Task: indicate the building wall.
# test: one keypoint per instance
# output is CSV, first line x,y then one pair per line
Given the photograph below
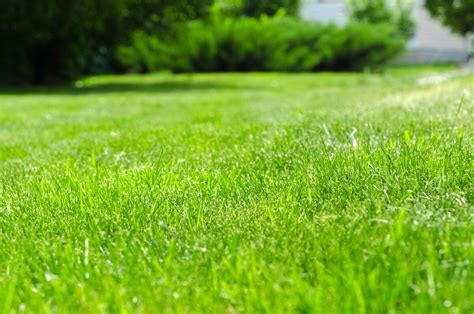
x,y
327,11
431,34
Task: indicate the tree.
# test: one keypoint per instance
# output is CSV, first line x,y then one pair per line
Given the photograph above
x,y
51,40
457,14
256,8
269,7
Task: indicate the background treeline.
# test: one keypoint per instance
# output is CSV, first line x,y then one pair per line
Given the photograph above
x,y
48,40
55,40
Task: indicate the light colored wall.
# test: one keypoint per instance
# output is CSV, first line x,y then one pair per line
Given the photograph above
x,y
328,11
431,34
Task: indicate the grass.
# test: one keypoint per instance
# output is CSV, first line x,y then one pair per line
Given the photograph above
x,y
270,193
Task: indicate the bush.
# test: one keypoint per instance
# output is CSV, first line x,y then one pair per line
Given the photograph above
x,y
397,13
277,44
49,40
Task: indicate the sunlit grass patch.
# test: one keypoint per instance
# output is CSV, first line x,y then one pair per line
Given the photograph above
x,y
238,193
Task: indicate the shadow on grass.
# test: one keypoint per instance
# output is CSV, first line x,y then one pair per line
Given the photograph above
x,y
120,87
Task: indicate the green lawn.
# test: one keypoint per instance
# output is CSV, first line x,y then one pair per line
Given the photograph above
x,y
273,193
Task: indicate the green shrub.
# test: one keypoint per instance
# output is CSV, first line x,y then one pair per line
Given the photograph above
x,y
360,46
395,12
269,44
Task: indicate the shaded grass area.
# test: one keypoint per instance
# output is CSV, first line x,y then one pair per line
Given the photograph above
x,y
238,193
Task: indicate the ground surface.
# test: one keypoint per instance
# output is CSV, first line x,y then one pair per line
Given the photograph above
x,y
239,193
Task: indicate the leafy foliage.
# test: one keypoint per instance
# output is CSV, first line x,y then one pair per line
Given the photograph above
x,y
398,13
252,8
46,40
278,44
269,7
457,14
